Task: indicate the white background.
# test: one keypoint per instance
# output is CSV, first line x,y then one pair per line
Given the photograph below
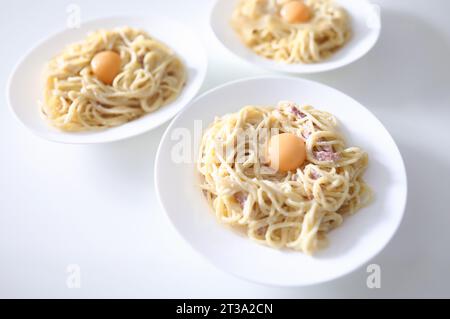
x,y
95,206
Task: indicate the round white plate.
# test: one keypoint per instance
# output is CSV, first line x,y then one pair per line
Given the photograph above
x,y
354,243
366,26
26,83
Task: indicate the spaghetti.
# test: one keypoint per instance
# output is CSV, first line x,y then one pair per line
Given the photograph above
x,y
295,209
262,28
150,76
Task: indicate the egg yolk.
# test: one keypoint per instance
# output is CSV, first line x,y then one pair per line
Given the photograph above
x,y
106,65
295,12
286,152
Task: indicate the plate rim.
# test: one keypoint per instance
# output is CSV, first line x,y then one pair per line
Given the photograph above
x,y
158,161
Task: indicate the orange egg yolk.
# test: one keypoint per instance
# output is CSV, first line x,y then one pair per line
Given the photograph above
x,y
295,12
286,152
106,65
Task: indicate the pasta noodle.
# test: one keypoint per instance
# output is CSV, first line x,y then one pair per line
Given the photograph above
x,y
150,76
282,210
260,26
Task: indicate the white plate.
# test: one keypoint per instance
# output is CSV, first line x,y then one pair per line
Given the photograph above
x,y
366,26
26,83
359,238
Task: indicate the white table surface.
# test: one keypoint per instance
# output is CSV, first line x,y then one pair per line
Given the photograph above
x,y
95,206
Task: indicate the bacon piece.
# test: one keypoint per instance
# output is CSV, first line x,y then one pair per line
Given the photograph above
x,y
140,59
315,175
267,170
241,198
262,230
327,156
306,133
297,112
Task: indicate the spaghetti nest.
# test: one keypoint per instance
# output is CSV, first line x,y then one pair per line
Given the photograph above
x,y
261,27
150,76
294,209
